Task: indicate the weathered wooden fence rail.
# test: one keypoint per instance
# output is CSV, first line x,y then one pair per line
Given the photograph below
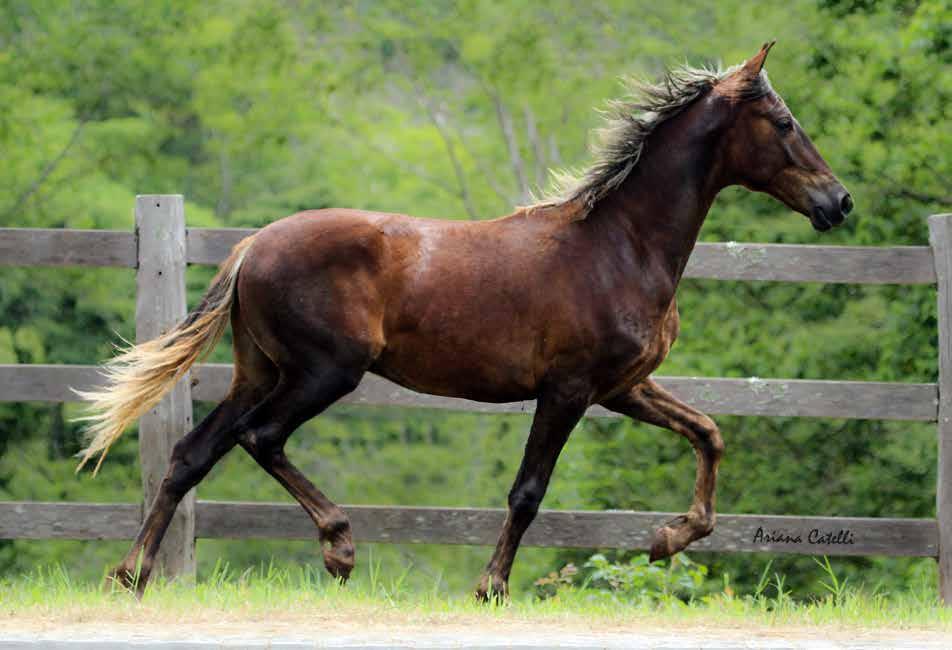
x,y
161,247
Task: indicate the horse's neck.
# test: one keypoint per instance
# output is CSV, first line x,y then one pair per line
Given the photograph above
x,y
660,208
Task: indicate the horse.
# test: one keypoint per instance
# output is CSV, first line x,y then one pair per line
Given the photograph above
x,y
569,302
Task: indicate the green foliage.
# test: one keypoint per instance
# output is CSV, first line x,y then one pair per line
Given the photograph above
x,y
457,110
639,579
636,581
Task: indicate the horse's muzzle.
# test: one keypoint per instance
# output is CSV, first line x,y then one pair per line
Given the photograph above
x,y
832,211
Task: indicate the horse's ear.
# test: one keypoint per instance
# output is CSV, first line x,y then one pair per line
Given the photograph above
x,y
754,64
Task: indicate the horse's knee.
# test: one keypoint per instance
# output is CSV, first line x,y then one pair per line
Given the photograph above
x,y
264,441
524,500
709,435
265,433
262,446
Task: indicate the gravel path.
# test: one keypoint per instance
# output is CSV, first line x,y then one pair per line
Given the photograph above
x,y
94,637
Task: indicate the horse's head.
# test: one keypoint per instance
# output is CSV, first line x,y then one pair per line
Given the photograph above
x,y
767,151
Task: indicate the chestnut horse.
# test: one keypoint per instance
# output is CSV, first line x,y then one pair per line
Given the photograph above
x,y
570,302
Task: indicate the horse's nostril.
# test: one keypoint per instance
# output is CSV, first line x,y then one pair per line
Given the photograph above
x,y
846,204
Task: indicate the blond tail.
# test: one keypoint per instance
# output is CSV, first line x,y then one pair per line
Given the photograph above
x,y
138,377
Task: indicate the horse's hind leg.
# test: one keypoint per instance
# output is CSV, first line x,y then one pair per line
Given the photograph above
x,y
650,403
192,458
196,453
299,396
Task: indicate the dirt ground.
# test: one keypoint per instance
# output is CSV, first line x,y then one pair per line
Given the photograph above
x,y
439,632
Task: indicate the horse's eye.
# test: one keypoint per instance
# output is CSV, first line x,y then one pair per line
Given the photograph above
x,y
784,125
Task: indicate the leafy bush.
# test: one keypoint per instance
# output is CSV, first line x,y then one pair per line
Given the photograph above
x,y
637,579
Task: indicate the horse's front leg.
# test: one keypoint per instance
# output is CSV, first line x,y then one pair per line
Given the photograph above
x,y
650,403
557,413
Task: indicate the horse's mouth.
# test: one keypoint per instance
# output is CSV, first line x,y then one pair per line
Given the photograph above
x,y
823,220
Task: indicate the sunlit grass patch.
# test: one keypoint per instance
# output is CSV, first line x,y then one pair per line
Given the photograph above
x,y
275,596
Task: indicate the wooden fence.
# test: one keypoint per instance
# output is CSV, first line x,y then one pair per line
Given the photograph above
x,y
161,247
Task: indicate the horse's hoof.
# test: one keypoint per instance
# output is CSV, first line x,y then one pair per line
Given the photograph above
x,y
660,545
123,579
339,562
492,589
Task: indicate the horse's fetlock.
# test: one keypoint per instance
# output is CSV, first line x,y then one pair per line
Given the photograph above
x,y
335,527
702,522
706,527
492,587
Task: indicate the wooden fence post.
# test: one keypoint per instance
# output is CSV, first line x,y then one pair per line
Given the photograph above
x,y
940,236
160,304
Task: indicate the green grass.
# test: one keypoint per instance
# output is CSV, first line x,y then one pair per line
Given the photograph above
x,y
289,596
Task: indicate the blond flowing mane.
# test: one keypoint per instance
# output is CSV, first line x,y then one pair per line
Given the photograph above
x,y
630,120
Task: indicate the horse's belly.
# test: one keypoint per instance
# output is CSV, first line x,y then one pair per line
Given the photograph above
x,y
476,370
